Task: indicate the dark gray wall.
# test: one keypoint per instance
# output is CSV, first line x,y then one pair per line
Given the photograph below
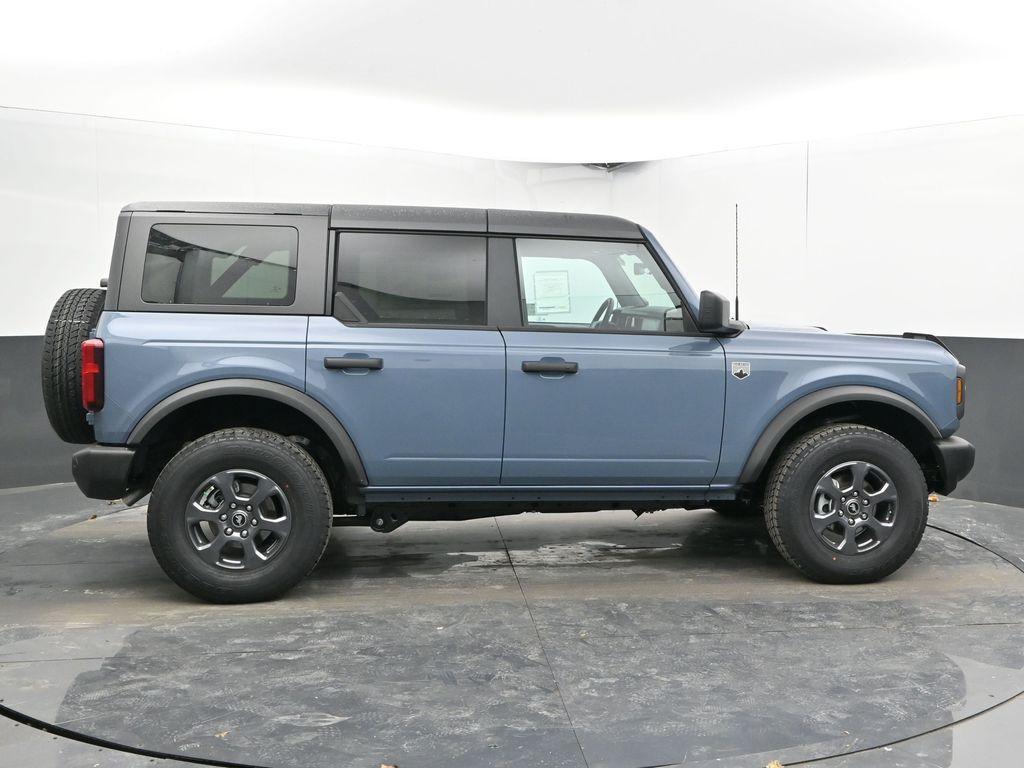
x,y
30,454
994,420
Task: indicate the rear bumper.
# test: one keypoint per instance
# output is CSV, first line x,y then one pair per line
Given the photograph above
x,y
102,471
954,458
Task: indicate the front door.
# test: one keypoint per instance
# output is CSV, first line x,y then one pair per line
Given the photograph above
x,y
597,392
408,364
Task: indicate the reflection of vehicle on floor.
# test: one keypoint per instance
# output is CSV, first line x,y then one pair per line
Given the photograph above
x,y
266,370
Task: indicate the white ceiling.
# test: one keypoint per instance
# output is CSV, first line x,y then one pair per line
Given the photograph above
x,y
540,80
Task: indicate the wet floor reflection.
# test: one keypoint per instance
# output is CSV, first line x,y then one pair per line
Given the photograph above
x,y
514,642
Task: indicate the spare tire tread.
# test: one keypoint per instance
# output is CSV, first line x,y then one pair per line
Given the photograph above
x,y
73,317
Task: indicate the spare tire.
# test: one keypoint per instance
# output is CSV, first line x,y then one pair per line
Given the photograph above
x,y
73,317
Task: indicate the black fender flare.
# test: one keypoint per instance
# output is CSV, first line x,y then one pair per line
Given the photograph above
x,y
808,404
269,390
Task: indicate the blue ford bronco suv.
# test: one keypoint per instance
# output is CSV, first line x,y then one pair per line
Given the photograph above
x,y
268,371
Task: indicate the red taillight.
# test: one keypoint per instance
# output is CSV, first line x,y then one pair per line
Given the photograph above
x,y
92,374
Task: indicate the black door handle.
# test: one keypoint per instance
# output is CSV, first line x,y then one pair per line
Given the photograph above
x,y
549,366
341,363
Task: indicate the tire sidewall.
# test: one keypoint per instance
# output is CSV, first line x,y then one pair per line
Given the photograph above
x,y
795,497
172,494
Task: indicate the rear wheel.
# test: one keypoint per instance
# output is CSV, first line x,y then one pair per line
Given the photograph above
x,y
239,515
846,504
73,317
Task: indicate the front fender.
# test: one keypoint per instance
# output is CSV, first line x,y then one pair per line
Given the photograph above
x,y
808,404
791,373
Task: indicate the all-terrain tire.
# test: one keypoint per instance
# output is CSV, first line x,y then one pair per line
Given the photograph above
x,y
73,317
287,465
790,490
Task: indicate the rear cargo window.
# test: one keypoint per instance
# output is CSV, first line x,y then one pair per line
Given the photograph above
x,y
220,264
412,279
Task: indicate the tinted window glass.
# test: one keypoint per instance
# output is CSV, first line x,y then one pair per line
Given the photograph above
x,y
412,279
593,284
220,264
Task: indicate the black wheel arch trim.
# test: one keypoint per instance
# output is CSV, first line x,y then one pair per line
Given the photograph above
x,y
808,404
281,393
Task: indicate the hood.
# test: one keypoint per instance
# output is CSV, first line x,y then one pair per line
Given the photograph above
x,y
756,325
811,340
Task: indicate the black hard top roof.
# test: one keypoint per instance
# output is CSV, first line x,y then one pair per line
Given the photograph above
x,y
422,218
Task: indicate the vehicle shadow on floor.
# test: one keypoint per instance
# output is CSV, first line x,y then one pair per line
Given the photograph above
x,y
672,541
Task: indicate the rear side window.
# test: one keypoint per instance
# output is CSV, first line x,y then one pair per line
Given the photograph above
x,y
411,279
220,264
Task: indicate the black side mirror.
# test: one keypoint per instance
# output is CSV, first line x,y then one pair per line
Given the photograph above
x,y
713,315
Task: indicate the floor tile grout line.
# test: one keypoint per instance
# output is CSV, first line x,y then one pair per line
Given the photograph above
x,y
540,642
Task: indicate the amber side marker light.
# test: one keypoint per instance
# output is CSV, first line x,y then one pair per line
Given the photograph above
x,y
960,390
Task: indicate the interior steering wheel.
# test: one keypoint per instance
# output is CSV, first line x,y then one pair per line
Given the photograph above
x,y
603,314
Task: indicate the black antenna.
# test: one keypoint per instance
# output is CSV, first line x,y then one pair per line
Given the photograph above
x,y
736,310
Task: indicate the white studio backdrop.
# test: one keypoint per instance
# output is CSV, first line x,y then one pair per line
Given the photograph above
x,y
904,230
530,80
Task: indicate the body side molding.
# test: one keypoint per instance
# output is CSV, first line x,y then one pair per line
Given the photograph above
x,y
290,396
809,403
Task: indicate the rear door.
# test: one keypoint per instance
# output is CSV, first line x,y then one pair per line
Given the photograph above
x,y
409,362
598,393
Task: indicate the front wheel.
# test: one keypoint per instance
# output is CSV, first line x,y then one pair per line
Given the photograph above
x,y
846,504
239,515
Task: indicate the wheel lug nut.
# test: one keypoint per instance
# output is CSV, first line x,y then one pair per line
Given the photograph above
x,y
245,534
864,516
248,508
228,531
233,505
223,516
844,498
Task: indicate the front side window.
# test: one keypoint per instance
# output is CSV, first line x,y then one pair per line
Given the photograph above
x,y
411,279
593,284
220,264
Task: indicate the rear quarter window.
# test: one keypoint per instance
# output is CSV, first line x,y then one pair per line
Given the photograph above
x,y
220,264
